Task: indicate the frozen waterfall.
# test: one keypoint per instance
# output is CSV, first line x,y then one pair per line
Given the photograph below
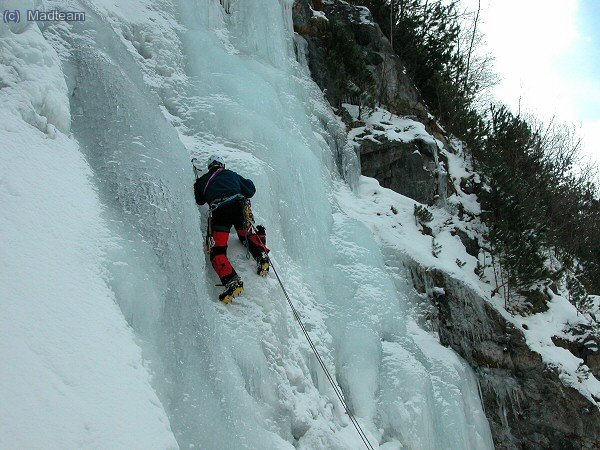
x,y
138,89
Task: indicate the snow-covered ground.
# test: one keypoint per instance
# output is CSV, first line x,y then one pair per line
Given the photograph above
x,y
72,375
111,333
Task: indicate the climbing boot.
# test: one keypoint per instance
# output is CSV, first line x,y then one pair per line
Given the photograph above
x,y
233,288
262,265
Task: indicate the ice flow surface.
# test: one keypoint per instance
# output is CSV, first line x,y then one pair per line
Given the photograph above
x,y
153,83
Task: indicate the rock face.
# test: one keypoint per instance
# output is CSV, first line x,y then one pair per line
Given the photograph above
x,y
399,166
583,342
406,167
525,401
384,64
409,168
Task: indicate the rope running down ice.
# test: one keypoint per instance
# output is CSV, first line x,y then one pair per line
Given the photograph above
x,y
336,389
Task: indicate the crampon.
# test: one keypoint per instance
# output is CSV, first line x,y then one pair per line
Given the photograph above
x,y
233,288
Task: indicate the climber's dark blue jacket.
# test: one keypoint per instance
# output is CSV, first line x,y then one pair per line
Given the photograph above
x,y
226,184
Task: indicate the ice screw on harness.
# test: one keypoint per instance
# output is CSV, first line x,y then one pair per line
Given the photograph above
x,y
194,161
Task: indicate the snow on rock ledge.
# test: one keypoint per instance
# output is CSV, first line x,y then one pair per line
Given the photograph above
x,y
398,152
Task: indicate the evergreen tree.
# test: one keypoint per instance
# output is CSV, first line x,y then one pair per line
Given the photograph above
x,y
512,162
347,66
578,295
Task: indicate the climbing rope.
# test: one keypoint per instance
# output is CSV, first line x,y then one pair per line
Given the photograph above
x,y
336,389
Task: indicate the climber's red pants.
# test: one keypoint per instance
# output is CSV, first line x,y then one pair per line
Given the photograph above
x,y
223,218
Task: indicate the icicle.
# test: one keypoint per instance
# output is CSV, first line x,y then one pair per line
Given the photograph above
x,y
286,6
226,4
301,49
440,176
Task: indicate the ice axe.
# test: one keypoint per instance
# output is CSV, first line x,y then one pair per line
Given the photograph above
x,y
196,170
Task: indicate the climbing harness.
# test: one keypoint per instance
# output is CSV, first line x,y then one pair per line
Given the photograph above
x,y
210,241
336,389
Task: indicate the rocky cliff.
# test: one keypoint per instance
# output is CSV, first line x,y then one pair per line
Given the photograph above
x,y
529,402
410,168
526,403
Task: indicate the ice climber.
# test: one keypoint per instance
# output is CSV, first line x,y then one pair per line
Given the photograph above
x,y
227,195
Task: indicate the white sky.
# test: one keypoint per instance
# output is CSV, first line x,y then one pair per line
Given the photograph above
x,y
544,53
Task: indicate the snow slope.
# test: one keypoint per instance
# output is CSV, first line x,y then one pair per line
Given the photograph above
x,y
72,374
101,121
